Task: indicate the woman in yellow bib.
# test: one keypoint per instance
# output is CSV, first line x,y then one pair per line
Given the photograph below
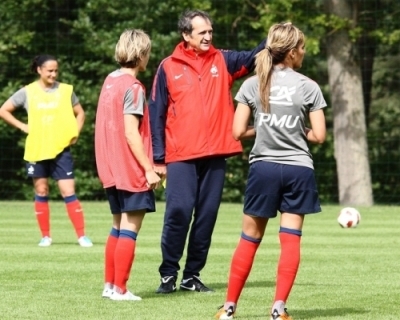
x,y
55,118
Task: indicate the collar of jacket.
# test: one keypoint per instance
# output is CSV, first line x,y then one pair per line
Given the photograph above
x,y
182,53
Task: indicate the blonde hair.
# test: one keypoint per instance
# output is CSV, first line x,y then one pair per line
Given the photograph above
x,y
132,46
282,38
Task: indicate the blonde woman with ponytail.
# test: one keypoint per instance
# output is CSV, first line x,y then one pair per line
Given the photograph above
x,y
281,175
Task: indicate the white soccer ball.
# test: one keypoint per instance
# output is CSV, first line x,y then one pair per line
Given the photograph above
x,y
349,217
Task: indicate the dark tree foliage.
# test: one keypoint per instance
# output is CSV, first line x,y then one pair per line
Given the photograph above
x,y
83,34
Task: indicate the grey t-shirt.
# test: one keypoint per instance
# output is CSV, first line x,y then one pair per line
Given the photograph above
x,y
19,98
134,98
281,134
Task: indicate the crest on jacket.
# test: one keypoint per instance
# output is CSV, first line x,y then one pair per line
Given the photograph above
x,y
214,71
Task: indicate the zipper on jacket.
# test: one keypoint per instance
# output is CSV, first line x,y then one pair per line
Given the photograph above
x,y
173,108
204,117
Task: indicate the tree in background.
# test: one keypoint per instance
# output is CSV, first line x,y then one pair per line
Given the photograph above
x,y
82,35
373,34
345,81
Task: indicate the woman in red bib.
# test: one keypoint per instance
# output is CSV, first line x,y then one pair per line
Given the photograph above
x,y
124,159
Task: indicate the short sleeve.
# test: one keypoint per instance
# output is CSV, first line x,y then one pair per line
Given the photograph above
x,y
18,99
313,96
241,98
134,100
244,94
74,99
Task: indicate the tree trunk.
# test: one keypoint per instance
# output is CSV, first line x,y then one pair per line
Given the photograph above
x,y
370,12
350,141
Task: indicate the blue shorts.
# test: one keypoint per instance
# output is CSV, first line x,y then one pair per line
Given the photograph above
x,y
59,168
126,201
273,187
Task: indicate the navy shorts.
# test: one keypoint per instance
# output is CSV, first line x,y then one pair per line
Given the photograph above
x,y
273,187
59,168
126,201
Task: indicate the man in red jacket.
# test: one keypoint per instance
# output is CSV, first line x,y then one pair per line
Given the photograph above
x,y
191,114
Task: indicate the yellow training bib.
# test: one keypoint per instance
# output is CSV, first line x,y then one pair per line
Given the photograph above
x,y
51,122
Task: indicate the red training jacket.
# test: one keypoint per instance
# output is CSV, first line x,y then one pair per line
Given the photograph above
x,y
191,107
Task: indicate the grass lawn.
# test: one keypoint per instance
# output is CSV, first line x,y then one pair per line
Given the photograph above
x,y
344,273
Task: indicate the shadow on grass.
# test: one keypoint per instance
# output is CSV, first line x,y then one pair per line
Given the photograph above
x,y
217,286
73,244
253,284
249,284
325,313
310,314
64,243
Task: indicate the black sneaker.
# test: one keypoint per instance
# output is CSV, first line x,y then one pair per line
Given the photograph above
x,y
168,285
194,284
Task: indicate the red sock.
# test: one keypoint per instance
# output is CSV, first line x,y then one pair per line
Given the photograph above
x,y
288,265
75,214
241,264
42,212
109,267
123,260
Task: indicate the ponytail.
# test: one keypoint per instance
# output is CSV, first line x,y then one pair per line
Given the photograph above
x,y
263,70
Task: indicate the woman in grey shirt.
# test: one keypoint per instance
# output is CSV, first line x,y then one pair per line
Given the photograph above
x,y
281,176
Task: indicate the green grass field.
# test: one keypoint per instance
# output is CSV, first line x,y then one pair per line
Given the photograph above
x,y
344,273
